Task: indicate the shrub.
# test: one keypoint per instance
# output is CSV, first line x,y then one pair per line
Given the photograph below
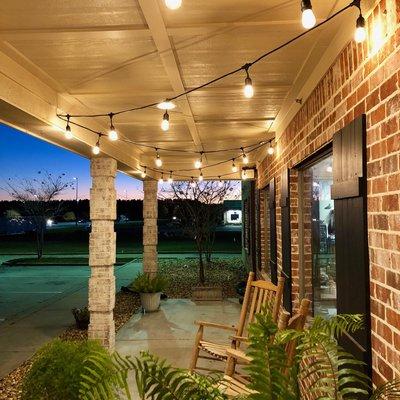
x,y
145,284
57,368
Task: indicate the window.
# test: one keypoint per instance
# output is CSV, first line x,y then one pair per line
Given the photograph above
x,y
318,213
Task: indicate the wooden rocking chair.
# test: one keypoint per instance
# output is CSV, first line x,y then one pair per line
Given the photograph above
x,y
237,384
259,294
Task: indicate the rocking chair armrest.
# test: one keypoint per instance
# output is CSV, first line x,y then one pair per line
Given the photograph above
x,y
238,355
215,325
244,339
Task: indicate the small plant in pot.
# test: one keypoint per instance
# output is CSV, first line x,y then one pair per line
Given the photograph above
x,y
82,317
150,289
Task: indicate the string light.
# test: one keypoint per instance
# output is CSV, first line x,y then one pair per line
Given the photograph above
x,y
201,177
170,179
158,160
270,149
68,133
96,148
248,85
161,180
165,122
220,183
234,167
307,18
192,182
144,172
244,175
360,34
199,163
112,133
173,4
244,156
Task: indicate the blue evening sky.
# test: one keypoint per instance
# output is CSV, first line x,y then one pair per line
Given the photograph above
x,y
22,155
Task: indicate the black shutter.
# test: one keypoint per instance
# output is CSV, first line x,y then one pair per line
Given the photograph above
x,y
352,266
286,240
272,232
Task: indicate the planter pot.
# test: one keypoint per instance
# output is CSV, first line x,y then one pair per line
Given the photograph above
x,y
82,324
150,301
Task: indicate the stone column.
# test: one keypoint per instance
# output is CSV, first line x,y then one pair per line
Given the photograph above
x,y
102,249
150,231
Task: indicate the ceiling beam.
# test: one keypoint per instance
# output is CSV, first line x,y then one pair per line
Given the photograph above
x,y
153,17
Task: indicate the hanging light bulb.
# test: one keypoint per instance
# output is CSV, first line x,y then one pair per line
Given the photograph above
x,y
244,156
161,180
144,172
308,18
192,183
173,4
112,133
68,134
244,175
234,167
166,105
248,86
220,183
165,122
270,149
329,168
158,160
201,177
360,34
199,163
96,148
170,179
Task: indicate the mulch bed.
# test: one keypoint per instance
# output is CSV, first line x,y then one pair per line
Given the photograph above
x,y
182,276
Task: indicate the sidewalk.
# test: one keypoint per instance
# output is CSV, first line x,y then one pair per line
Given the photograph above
x,y
36,303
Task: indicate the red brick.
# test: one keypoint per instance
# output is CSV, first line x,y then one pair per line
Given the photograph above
x,y
388,87
390,202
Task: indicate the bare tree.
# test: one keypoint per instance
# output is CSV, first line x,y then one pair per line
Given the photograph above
x,y
37,197
200,209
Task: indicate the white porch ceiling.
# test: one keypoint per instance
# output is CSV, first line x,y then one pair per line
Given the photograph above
x,y
100,55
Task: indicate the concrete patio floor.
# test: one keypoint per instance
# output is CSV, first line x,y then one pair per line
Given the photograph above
x,y
170,332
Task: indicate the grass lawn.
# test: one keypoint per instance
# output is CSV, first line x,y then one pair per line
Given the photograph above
x,y
72,240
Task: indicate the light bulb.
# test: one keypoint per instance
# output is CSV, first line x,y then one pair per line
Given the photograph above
x,y
308,18
192,183
96,149
158,161
173,4
270,150
113,135
68,134
165,122
245,159
201,177
244,175
170,179
198,164
220,183
248,88
329,168
360,34
144,173
161,180
234,167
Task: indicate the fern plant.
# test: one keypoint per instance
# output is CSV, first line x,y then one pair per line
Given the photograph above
x,y
155,379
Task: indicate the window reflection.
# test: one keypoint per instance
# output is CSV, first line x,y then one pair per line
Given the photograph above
x,y
322,215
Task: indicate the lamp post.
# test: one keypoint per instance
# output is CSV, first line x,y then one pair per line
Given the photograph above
x,y
76,179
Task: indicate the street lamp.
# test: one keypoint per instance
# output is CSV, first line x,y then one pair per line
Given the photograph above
x,y
76,179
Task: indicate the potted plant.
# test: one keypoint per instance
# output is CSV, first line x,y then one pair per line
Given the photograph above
x,y
82,317
150,289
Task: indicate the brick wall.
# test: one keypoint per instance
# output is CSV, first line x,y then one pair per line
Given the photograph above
x,y
363,79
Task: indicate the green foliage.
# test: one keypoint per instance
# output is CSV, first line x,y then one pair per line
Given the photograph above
x,y
155,379
56,370
390,390
145,284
